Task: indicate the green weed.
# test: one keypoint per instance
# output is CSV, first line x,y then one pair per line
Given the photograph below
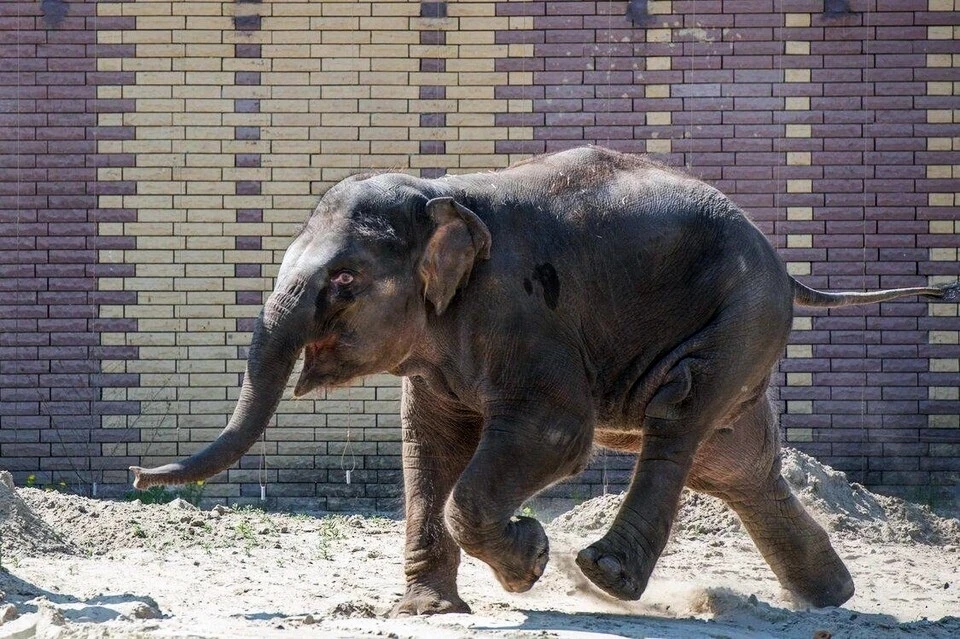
x,y
331,529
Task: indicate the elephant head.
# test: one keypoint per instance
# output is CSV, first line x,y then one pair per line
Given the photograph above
x,y
353,294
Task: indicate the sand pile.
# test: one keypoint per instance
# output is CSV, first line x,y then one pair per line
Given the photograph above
x,y
849,510
99,527
21,531
846,510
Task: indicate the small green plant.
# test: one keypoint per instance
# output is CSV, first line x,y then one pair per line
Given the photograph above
x,y
138,531
59,487
331,529
527,511
245,532
192,492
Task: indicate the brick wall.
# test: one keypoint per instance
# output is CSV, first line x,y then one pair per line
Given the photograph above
x,y
157,155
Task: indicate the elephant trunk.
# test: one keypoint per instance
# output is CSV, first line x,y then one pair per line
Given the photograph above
x,y
278,338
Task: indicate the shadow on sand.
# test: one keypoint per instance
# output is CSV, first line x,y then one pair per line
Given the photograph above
x,y
748,621
29,598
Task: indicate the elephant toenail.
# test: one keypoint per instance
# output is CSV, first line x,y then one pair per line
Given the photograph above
x,y
610,565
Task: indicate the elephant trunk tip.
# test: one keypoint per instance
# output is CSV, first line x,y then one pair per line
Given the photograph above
x,y
141,478
144,478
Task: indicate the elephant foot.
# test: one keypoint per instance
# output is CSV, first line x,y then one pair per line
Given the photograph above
x,y
827,584
521,566
425,600
612,571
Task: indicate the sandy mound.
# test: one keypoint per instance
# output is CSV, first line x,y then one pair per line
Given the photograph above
x,y
104,527
21,531
846,510
849,510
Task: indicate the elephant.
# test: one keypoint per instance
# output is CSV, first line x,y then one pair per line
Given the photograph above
x,y
577,299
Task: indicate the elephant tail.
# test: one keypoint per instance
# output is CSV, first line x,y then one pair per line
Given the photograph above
x,y
805,296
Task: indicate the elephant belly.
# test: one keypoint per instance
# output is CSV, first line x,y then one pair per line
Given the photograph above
x,y
619,440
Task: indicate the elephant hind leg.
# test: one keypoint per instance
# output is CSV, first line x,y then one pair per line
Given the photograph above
x,y
742,467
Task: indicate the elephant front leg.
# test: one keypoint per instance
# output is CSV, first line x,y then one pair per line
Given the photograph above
x,y
516,458
436,448
620,563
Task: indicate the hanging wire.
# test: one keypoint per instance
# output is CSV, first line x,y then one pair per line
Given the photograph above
x,y
778,205
864,429
347,445
262,470
688,154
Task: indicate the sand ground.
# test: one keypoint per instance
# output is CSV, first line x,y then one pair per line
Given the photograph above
x,y
74,567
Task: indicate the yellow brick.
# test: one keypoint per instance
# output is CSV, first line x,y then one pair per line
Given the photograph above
x,y
659,146
797,48
657,91
941,226
471,9
105,9
160,77
799,435
146,187
473,65
797,20
943,254
659,7
146,64
946,393
799,350
939,88
802,323
796,75
109,64
799,213
109,93
161,22
658,35
798,268
939,116
487,133
471,38
657,63
469,93
109,174
940,199
798,158
940,33
346,8
800,407
799,241
944,421
941,5
797,103
944,365
799,379
944,337
656,118
799,186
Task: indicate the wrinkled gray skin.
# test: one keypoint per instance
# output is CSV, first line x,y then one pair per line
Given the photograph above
x,y
578,299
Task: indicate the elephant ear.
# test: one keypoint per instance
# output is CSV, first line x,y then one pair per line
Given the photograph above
x,y
459,239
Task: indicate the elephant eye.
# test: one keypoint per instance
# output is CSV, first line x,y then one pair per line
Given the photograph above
x,y
343,278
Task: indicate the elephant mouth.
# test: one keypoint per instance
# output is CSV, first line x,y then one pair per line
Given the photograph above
x,y
319,366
